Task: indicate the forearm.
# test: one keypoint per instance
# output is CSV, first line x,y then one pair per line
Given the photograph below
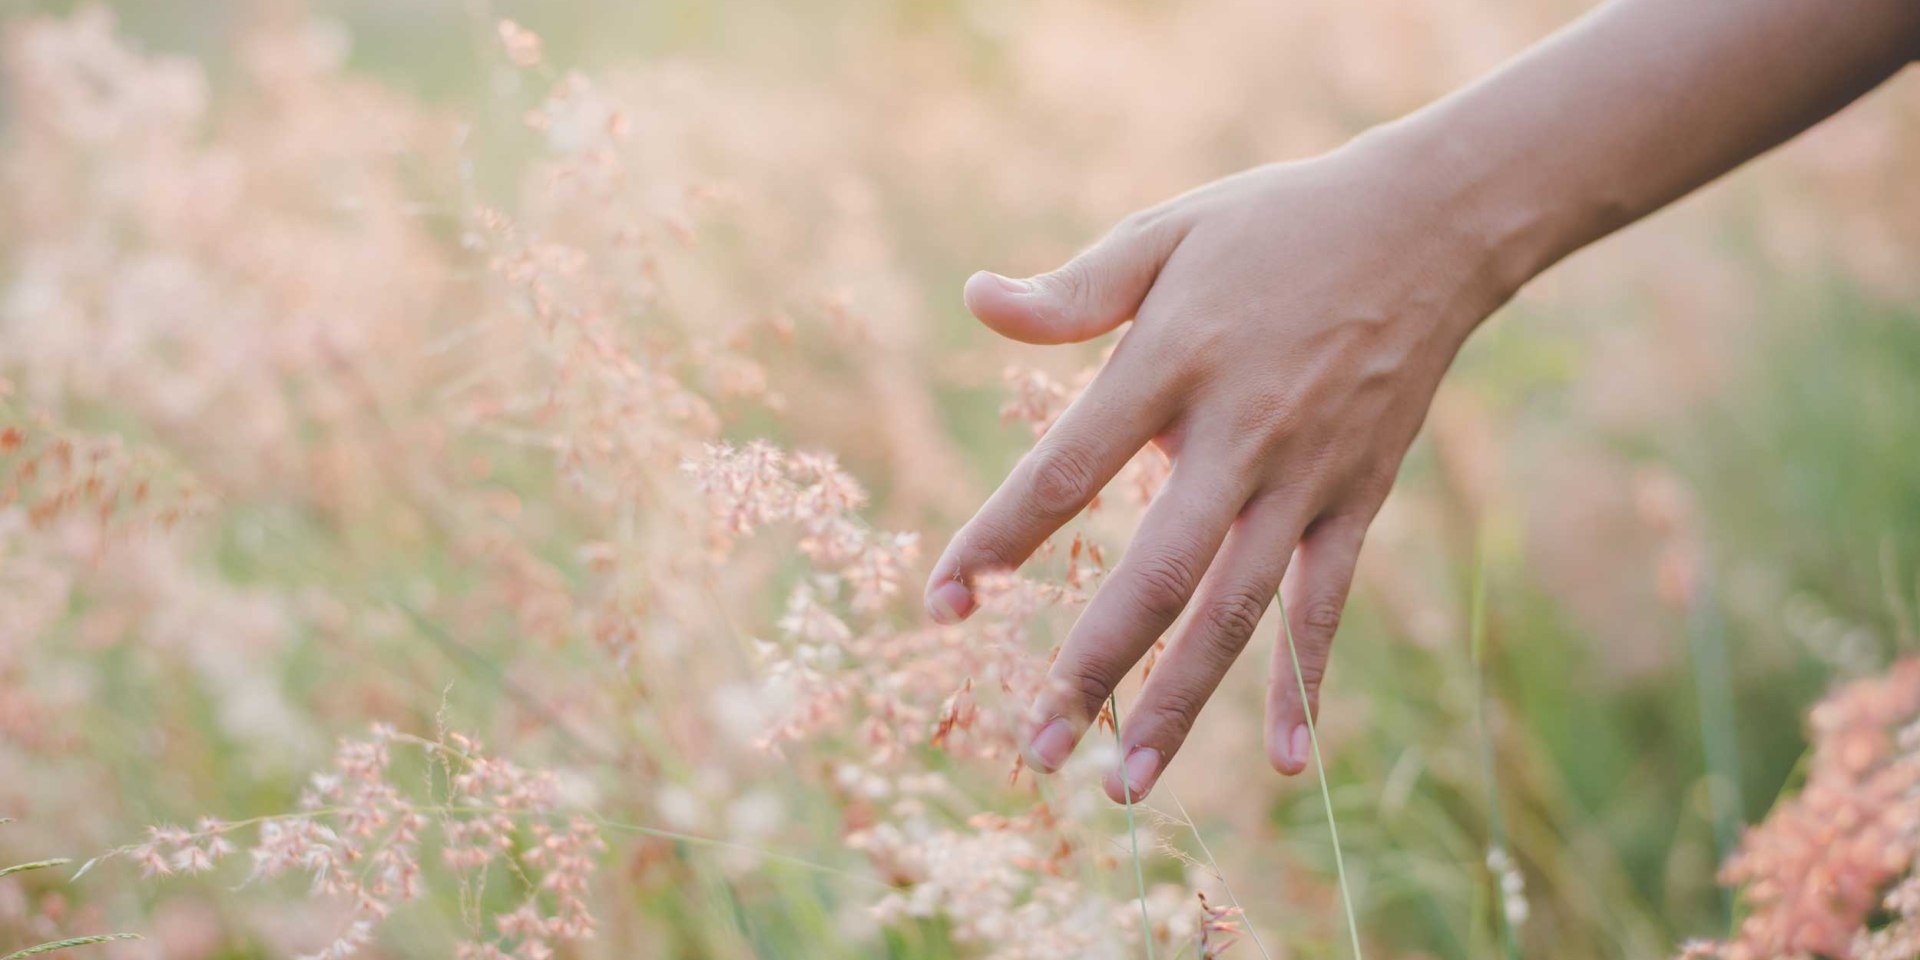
x,y
1634,106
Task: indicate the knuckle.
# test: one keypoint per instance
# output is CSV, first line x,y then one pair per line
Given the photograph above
x,y
1175,711
1087,686
1138,226
1326,460
1062,478
1374,488
1161,583
1073,284
1160,223
1310,677
1322,617
1232,618
1313,667
983,548
1190,350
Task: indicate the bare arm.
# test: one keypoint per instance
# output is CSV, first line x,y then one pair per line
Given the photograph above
x,y
1290,325
1639,103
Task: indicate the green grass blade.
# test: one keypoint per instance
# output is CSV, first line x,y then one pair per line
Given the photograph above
x,y
35,865
1496,824
1719,726
1133,835
1326,794
65,944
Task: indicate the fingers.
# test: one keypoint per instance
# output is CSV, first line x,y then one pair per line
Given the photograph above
x,y
1095,292
1177,539
1096,436
1228,606
1315,592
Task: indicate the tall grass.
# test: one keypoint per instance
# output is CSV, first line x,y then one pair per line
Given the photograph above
x,y
65,943
1326,794
344,358
1499,862
1133,831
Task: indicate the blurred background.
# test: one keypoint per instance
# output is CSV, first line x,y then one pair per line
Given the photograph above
x,y
360,361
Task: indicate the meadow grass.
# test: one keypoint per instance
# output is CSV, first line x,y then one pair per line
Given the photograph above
x,y
412,373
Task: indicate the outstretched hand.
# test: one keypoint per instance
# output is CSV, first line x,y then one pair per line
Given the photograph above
x,y
1289,328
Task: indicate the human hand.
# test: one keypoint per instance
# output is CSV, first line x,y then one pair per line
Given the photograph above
x,y
1290,326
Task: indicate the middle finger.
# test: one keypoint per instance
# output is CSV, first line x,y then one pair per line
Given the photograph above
x,y
1177,539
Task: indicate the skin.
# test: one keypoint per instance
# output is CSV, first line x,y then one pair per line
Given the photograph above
x,y
1287,328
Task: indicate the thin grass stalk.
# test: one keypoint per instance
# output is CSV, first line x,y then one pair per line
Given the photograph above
x,y
51,946
1320,770
1252,934
35,865
1133,834
1713,690
1496,823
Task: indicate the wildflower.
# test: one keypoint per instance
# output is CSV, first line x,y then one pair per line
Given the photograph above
x,y
362,848
1822,862
1220,927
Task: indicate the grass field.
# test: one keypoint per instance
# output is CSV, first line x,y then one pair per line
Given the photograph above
x,y
466,474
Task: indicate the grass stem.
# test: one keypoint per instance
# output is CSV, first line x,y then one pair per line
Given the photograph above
x,y
1719,728
1225,886
1326,793
1496,823
50,947
1133,834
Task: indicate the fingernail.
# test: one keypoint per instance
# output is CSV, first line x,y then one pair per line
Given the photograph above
x,y
950,602
1142,769
1300,746
1049,748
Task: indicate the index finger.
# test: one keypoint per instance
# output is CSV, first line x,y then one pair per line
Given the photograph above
x,y
1099,432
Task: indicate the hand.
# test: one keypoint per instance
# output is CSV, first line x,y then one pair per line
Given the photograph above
x,y
1290,326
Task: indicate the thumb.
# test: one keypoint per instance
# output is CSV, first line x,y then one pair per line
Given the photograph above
x,y
1096,291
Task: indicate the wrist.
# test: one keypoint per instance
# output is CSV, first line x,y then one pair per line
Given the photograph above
x,y
1501,217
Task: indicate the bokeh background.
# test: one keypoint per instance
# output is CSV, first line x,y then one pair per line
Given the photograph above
x,y
351,354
